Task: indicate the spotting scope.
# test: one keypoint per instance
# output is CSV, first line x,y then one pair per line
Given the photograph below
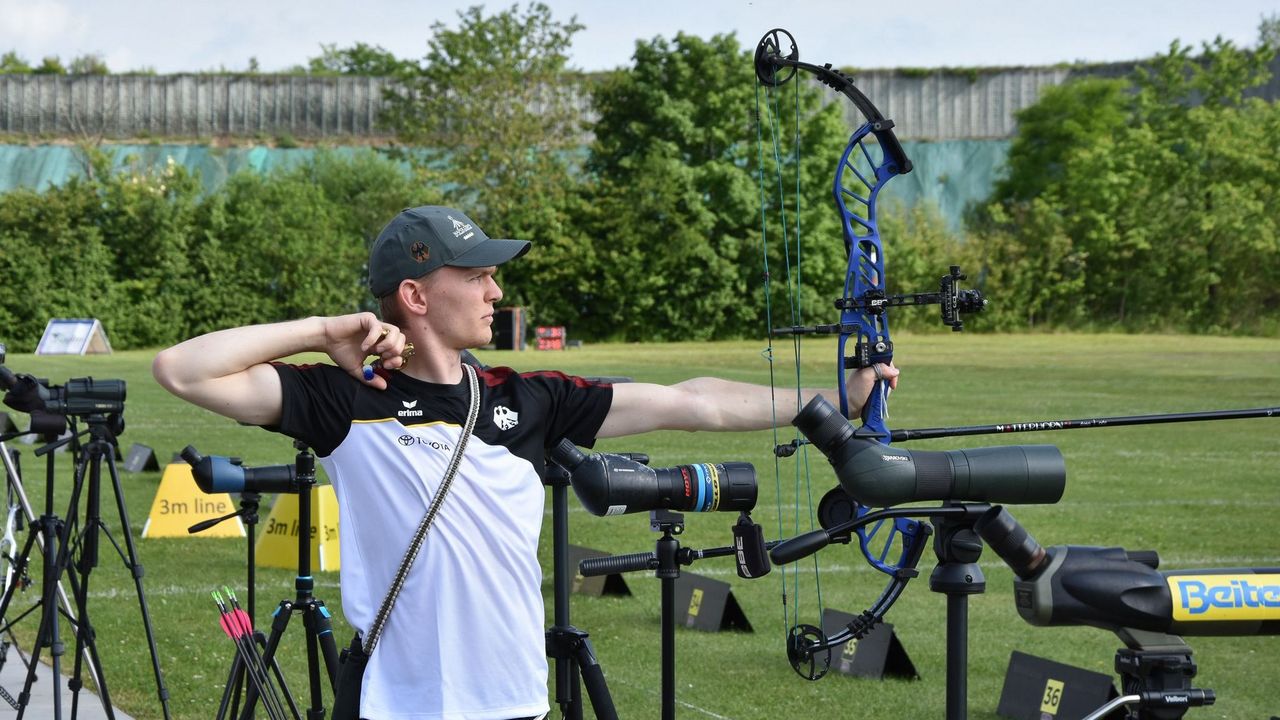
x,y
1117,589
878,475
615,484
221,474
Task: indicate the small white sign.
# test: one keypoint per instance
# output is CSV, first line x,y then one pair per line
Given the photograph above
x,y
73,336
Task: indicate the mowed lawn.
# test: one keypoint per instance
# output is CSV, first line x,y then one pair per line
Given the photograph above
x,y
1202,494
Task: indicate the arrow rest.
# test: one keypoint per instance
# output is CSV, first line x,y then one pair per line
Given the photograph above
x,y
801,653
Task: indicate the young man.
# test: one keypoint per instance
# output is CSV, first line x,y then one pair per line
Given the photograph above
x,y
465,638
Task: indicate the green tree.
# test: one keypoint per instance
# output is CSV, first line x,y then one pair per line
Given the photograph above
x,y
1164,221
675,200
490,120
359,59
54,263
146,216
1269,32
12,64
270,248
1065,118
89,64
50,65
363,190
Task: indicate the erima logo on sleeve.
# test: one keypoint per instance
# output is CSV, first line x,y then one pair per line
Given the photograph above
x,y
505,418
1225,597
409,410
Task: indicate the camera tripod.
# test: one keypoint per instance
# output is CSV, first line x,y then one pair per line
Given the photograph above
x,y
665,561
566,644
75,553
15,572
315,616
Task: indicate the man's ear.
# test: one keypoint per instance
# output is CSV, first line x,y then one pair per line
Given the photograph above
x,y
413,297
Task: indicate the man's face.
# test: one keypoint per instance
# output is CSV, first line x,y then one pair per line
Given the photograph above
x,y
460,305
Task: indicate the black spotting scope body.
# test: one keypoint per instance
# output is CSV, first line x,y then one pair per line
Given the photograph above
x,y
613,484
79,397
1115,589
877,475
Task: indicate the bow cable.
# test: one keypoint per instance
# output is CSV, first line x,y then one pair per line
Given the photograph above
x,y
802,482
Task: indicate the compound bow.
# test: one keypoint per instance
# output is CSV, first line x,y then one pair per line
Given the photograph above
x,y
873,156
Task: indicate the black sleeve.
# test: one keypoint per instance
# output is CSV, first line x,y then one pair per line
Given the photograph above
x,y
578,407
317,405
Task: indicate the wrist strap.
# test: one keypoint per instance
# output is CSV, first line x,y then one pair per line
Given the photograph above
x,y
410,555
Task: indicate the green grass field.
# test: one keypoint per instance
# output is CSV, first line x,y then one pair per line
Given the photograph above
x,y
1203,494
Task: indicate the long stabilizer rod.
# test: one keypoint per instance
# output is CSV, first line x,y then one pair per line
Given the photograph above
x,y
1042,425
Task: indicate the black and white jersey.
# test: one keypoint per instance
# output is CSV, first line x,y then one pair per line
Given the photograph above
x,y
466,636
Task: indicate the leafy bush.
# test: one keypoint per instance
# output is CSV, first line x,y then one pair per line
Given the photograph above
x,y
143,252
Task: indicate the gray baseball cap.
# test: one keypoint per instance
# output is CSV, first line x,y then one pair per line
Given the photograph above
x,y
422,239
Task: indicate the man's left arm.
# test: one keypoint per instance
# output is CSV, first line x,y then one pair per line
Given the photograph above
x,y
708,403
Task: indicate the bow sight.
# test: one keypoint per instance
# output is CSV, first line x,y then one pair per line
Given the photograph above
x,y
951,299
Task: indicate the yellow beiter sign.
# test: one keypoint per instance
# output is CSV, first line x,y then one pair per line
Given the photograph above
x,y
278,543
1230,596
179,504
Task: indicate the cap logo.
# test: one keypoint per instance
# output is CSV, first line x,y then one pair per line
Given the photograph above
x,y
420,251
461,229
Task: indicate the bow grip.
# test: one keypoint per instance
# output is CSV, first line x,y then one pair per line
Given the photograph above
x,y
874,414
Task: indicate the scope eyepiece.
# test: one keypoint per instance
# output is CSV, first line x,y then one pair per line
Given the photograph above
x,y
1011,541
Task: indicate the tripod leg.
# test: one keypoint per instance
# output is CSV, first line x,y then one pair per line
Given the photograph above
x,y
328,647
55,540
593,678
15,484
309,617
135,569
279,622
274,665
88,548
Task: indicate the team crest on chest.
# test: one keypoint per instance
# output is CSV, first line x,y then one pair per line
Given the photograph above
x,y
505,418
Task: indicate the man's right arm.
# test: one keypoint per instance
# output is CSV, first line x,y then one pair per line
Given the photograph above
x,y
227,371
